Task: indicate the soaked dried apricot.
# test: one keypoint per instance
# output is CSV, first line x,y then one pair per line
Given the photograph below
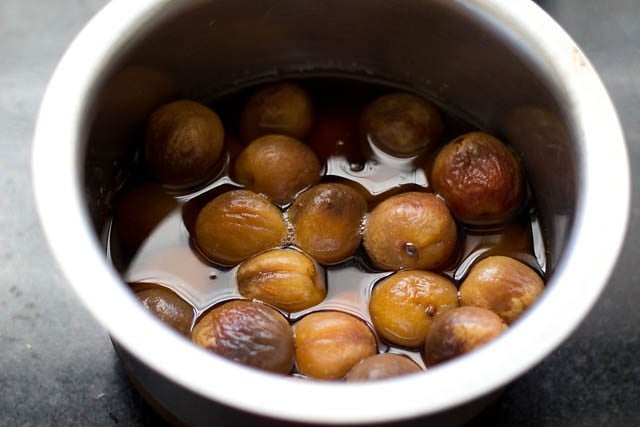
x,y
247,332
480,178
184,143
329,343
460,331
403,306
284,278
327,219
277,166
410,230
238,224
283,108
503,285
402,124
381,366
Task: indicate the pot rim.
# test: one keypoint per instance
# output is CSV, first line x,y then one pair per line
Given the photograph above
x,y
57,167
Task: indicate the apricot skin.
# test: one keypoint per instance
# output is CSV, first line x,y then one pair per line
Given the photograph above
x,y
327,219
402,124
238,224
184,142
480,179
503,285
329,343
168,307
282,108
284,278
460,331
277,166
247,332
410,230
381,366
403,306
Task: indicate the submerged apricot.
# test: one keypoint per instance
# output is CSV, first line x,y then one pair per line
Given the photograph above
x,y
283,108
336,135
183,143
138,211
402,124
168,307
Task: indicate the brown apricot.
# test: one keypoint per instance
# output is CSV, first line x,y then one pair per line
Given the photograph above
x,y
403,306
238,224
381,366
327,219
460,331
410,230
138,211
329,343
283,108
480,178
183,143
284,278
168,307
402,124
277,166
336,135
250,333
503,285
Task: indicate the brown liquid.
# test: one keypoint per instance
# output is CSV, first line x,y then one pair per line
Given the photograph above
x,y
169,257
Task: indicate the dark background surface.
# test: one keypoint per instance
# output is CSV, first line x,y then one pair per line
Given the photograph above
x,y
57,366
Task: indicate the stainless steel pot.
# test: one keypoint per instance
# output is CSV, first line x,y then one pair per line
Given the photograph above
x,y
505,65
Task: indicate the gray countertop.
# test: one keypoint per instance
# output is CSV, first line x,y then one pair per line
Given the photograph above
x,y
57,365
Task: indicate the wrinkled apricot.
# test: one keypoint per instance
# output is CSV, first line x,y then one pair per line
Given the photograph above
x,y
247,332
238,224
139,210
283,108
480,178
168,307
284,278
381,366
460,331
183,143
402,124
503,285
327,219
329,343
403,306
277,166
410,230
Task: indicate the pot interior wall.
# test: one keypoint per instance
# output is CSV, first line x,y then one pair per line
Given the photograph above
x,y
439,49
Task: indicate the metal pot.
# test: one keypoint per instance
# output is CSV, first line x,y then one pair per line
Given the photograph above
x,y
505,65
